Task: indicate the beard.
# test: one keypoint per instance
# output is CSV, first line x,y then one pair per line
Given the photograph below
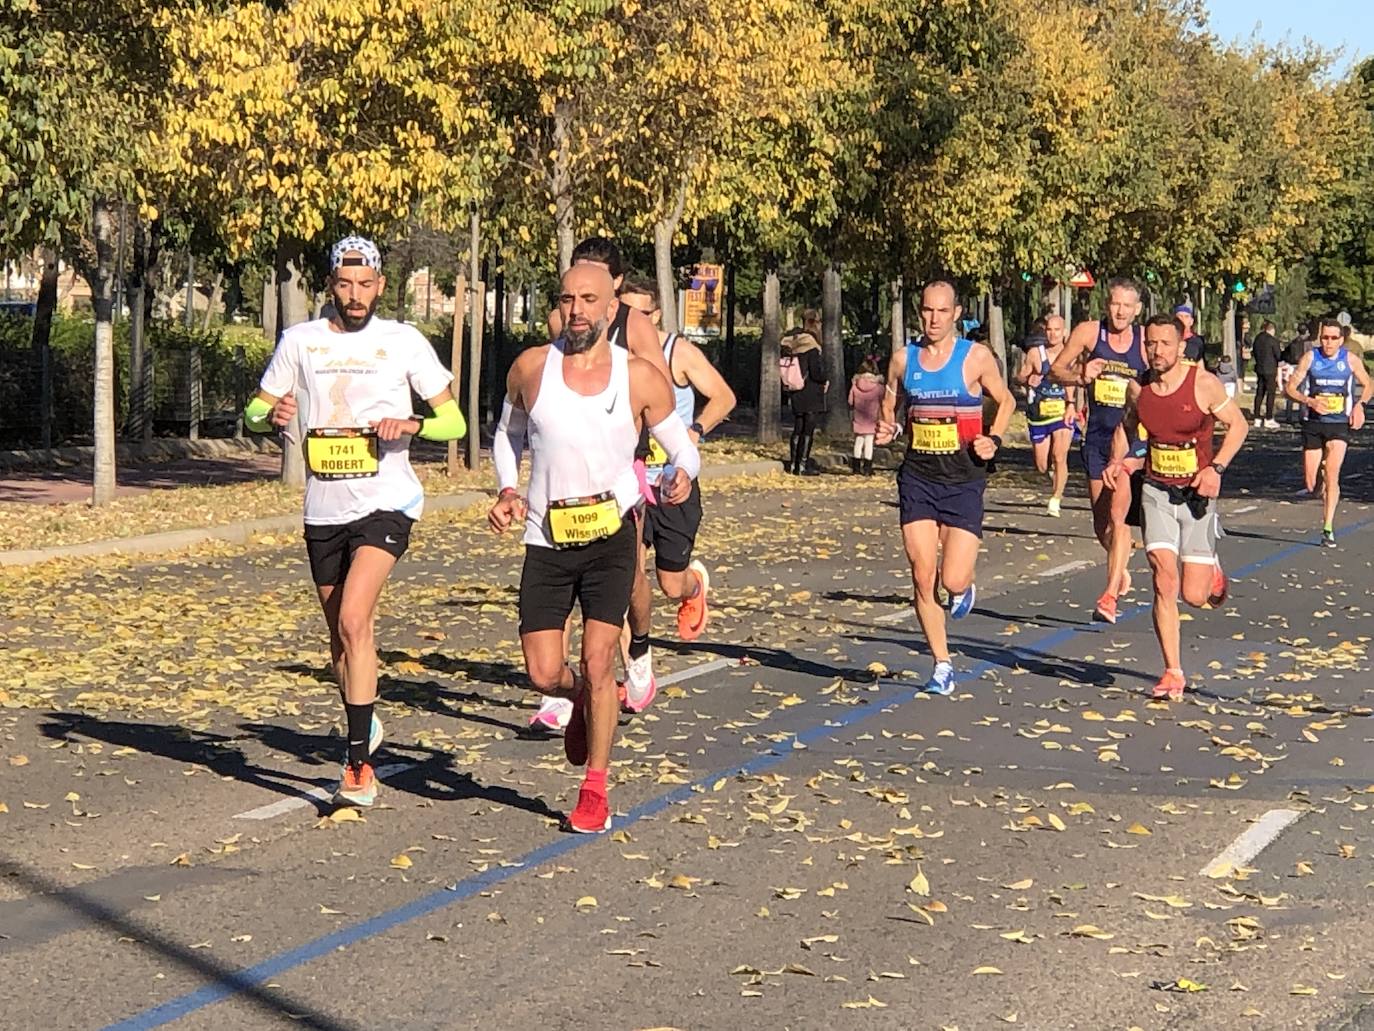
x,y
352,322
575,341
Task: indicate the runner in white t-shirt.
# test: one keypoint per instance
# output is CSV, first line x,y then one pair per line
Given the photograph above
x,y
351,377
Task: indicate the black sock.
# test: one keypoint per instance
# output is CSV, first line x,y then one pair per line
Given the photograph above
x,y
359,730
639,644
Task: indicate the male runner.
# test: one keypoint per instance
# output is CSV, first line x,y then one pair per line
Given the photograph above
x,y
941,481
582,402
1178,409
1324,384
671,530
354,375
1105,357
1050,408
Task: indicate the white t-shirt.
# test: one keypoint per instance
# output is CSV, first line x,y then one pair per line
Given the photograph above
x,y
348,380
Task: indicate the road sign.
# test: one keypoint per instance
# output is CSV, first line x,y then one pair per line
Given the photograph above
x,y
1082,280
703,302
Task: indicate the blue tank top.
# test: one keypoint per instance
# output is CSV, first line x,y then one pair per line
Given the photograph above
x,y
684,404
1056,394
943,418
1107,393
1331,383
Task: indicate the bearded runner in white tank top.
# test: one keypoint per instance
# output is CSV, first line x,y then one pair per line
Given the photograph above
x,y
582,402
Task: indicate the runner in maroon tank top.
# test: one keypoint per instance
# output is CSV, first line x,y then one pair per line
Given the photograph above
x,y
1178,408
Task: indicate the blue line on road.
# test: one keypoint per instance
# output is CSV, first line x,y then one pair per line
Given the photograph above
x,y
241,981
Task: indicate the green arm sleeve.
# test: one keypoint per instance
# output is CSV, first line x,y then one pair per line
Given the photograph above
x,y
447,423
255,416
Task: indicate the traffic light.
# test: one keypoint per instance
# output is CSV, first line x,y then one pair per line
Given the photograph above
x,y
1238,287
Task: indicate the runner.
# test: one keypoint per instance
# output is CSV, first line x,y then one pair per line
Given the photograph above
x,y
1104,357
1178,409
354,375
941,481
1323,382
671,530
582,402
1050,409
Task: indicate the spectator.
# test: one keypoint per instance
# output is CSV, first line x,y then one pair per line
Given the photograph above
x,y
808,403
1193,345
1292,354
1244,349
865,396
1226,372
1268,354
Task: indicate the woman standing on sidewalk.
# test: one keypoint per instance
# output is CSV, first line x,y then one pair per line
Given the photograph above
x,y
865,396
808,403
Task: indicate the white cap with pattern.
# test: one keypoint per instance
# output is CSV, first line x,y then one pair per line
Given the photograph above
x,y
371,256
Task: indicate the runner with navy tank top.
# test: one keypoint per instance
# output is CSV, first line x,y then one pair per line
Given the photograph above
x,y
1177,409
1324,384
942,478
581,401
1050,408
1104,358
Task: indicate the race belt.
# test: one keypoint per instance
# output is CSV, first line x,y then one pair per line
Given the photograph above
x,y
935,436
575,521
1052,407
1110,391
341,454
1330,404
1173,459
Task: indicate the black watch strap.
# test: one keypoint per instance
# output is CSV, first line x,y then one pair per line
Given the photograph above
x,y
701,430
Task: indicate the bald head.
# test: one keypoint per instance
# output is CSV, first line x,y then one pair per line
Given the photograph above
x,y
584,301
940,311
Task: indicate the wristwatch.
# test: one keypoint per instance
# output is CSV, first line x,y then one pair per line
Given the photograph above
x,y
700,430
1220,467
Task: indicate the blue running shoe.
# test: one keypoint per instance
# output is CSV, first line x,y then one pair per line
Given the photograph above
x,y
960,605
941,682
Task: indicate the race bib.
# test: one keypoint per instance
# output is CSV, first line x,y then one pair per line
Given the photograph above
x,y
935,436
1174,459
1052,407
657,457
1330,404
1110,391
575,521
341,454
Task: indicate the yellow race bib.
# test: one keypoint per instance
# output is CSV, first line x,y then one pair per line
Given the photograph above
x,y
935,436
1052,407
1110,391
341,454
1174,459
657,457
575,521
1330,404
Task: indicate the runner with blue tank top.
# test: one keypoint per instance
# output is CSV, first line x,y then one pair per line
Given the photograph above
x,y
1104,358
942,478
1324,384
1050,409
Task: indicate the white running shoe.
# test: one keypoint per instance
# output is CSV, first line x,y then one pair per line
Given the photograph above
x,y
1053,507
553,713
640,685
375,735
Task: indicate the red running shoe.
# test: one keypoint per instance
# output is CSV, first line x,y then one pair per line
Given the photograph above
x,y
1170,687
1105,609
592,815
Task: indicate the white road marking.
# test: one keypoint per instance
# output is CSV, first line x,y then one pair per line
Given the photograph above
x,y
1254,840
305,798
896,617
1068,567
1242,511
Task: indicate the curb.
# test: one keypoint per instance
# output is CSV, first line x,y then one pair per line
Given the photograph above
x,y
242,532
157,450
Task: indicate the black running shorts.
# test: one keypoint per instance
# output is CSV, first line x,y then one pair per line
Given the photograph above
x,y
1316,435
671,530
331,546
597,575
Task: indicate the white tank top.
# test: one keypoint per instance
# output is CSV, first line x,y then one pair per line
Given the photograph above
x,y
580,445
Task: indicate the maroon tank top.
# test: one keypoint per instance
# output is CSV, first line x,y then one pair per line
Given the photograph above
x,y
1179,431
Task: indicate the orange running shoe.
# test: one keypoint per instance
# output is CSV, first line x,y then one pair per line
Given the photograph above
x,y
357,787
1105,609
1170,687
593,813
693,613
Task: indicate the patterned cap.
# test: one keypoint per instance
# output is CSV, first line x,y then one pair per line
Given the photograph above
x,y
371,256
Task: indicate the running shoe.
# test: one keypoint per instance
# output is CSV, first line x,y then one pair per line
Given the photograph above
x,y
575,735
553,714
1170,686
1105,609
941,681
592,815
692,613
356,787
961,604
1053,507
375,735
1271,424
1221,587
1328,539
640,685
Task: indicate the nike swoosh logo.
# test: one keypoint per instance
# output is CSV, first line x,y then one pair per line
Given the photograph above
x,y
611,407
389,540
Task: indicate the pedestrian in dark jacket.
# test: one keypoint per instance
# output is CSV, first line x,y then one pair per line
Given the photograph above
x,y
1267,352
808,403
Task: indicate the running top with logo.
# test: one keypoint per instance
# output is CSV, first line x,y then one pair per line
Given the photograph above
x,y
1048,402
1178,431
582,449
943,418
342,382
1332,385
684,404
1107,393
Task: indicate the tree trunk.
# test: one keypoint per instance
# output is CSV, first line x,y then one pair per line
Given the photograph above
x,y
1228,330
293,306
216,294
562,184
664,231
898,327
832,328
478,306
731,355
151,241
402,289
102,300
770,389
188,316
269,304
997,330
41,343
455,361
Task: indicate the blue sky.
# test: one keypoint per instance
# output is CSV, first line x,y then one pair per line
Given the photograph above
x,y
1330,23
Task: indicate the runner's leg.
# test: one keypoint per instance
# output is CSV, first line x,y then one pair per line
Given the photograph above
x,y
1334,451
1164,567
958,558
922,539
1041,450
1060,443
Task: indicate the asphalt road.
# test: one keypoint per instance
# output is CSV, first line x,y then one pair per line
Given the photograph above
x,y
802,838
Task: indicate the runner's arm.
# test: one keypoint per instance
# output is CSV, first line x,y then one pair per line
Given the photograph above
x,y
275,402
887,412
1024,373
1129,427
995,387
447,422
652,401
1297,377
707,381
555,323
1068,367
641,335
1212,395
508,442
1361,375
